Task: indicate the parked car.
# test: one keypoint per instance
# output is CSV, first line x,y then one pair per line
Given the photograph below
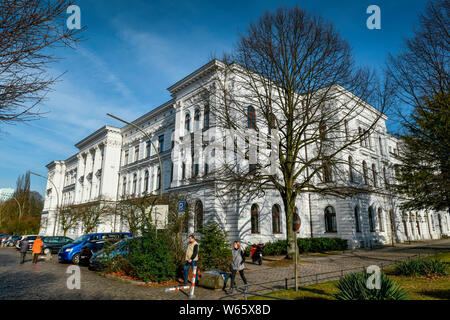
x,y
121,248
71,251
92,246
54,244
31,241
4,238
12,241
30,237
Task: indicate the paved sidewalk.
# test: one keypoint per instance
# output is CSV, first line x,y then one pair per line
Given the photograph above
x,y
47,280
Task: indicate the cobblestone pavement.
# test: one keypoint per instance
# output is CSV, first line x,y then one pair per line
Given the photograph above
x,y
47,280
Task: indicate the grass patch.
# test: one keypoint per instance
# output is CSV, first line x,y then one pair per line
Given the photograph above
x,y
417,288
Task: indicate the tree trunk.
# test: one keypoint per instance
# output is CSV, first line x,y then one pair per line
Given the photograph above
x,y
289,209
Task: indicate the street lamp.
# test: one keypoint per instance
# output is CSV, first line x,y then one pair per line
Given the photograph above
x,y
57,198
150,140
20,211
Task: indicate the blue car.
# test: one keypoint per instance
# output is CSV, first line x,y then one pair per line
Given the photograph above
x,y
121,248
71,251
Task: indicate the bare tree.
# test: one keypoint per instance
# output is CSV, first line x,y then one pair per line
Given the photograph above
x,y
136,212
29,29
69,217
92,213
285,99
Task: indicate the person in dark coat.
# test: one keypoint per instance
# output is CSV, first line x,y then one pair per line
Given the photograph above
x,y
23,249
237,264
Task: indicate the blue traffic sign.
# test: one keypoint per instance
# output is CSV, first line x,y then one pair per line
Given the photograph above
x,y
181,206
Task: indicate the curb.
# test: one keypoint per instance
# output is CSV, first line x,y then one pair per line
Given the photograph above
x,y
133,282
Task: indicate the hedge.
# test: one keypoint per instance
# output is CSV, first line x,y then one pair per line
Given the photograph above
x,y
279,247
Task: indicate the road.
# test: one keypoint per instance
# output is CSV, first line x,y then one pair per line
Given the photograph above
x,y
48,280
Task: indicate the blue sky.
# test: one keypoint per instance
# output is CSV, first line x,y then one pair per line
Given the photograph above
x,y
134,50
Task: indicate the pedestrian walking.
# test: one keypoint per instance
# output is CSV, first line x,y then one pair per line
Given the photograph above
x,y
23,249
37,248
191,257
237,264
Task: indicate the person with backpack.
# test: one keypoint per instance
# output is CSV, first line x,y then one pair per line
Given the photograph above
x,y
237,264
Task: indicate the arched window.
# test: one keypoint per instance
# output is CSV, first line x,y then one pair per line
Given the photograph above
x,y
187,122
364,167
251,117
380,219
254,219
357,223
146,181
276,222
197,119
374,174
206,118
198,216
371,220
330,219
350,169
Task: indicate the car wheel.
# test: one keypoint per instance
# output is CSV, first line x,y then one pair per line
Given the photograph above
x,y
76,259
47,251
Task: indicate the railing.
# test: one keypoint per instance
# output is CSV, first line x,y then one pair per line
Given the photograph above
x,y
314,278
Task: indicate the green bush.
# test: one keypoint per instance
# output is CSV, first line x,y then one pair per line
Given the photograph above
x,y
150,259
215,249
416,267
353,287
279,247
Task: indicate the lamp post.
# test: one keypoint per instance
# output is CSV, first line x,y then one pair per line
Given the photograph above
x,y
57,199
150,140
20,211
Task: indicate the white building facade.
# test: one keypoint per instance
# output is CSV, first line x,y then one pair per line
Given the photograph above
x,y
113,163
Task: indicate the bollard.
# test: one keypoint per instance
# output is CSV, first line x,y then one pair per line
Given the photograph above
x,y
285,283
194,279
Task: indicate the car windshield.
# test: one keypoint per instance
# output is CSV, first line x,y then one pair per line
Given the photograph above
x,y
81,239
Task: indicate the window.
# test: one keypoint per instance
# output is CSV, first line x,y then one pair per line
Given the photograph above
x,y
147,149
198,216
125,161
254,219
386,182
374,174
380,144
161,143
197,119
158,182
276,223
136,153
134,183
357,223
330,219
371,220
206,169
206,118
327,171
124,186
380,219
251,117
183,171
187,122
196,169
146,181
350,169
364,165
171,173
